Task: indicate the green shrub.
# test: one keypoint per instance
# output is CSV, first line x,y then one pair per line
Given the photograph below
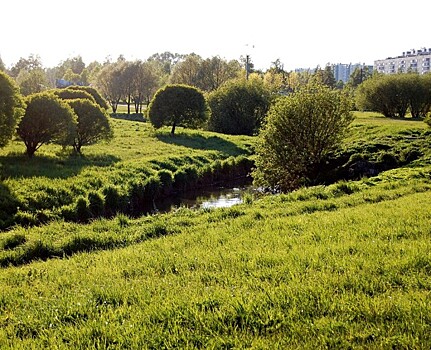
x,y
112,200
8,206
68,212
96,204
13,241
82,209
166,181
180,180
25,218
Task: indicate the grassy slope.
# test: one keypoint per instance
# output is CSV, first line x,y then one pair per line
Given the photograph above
x,y
345,265
50,184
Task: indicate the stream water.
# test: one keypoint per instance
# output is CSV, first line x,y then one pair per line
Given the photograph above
x,y
213,197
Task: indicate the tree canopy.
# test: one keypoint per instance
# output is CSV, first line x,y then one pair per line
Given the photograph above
x,y
47,119
178,105
10,108
93,124
301,129
239,106
93,92
395,95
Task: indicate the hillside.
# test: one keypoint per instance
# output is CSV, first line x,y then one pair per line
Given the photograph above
x,y
345,265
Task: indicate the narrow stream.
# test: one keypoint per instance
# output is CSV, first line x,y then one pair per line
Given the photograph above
x,y
213,197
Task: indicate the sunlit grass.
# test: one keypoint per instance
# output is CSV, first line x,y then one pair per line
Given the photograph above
x,y
341,266
281,272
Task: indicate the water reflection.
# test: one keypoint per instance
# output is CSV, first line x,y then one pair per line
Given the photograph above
x,y
215,197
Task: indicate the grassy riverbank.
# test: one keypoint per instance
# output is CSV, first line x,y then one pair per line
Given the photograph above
x,y
56,184
340,266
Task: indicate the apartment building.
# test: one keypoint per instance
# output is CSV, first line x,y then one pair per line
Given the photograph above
x,y
410,61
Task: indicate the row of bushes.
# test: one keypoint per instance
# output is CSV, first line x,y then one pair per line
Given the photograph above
x,y
134,198
395,95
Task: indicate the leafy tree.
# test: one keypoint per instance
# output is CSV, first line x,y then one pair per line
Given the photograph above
x,y
28,64
109,82
216,71
128,74
2,66
324,76
93,124
187,71
328,77
394,95
145,83
301,129
93,92
10,108
358,76
239,106
46,119
418,91
167,60
71,76
178,105
206,75
276,78
379,94
33,81
72,94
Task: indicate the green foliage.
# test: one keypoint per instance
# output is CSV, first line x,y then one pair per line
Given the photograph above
x,y
93,92
300,131
32,81
71,94
178,105
51,182
238,107
93,124
10,108
394,95
46,119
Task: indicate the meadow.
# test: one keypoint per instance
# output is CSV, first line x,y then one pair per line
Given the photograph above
x,y
57,184
344,265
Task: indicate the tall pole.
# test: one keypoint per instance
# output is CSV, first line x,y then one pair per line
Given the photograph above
x,y
247,66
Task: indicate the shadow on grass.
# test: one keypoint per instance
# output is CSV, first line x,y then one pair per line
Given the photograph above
x,y
8,206
201,142
19,165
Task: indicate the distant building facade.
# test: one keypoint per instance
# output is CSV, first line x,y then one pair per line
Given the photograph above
x,y
342,71
410,61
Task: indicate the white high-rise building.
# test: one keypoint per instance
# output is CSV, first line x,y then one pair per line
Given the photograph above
x,y
410,61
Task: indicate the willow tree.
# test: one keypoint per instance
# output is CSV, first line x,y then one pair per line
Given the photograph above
x,y
300,131
47,119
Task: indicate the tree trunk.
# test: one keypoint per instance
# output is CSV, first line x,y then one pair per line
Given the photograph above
x,y
173,128
30,150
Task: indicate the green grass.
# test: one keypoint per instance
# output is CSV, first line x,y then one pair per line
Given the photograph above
x,y
345,270
47,186
341,266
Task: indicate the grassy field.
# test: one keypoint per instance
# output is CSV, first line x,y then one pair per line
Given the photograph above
x,y
341,266
57,183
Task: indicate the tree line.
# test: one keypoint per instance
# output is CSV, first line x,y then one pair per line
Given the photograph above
x,y
298,118
75,116
135,82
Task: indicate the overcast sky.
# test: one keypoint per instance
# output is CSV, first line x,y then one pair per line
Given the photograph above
x,y
301,34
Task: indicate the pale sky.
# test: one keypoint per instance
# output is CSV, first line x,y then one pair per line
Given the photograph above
x,y
301,33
